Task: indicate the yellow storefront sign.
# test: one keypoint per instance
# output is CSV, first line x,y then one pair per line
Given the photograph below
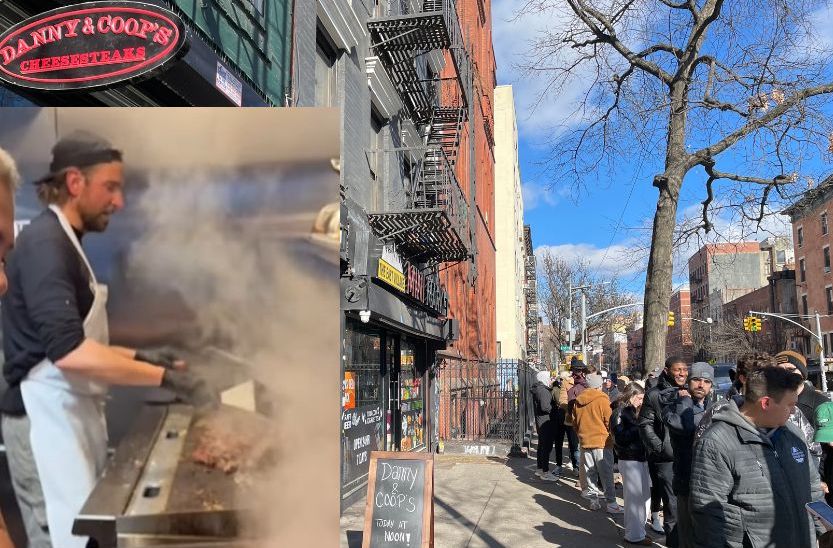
x,y
390,275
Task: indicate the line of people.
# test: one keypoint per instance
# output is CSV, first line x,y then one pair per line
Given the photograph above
x,y
731,471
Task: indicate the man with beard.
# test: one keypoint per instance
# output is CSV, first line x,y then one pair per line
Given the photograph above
x,y
59,361
657,443
682,414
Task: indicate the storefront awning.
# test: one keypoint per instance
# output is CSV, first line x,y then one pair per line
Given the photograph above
x,y
387,308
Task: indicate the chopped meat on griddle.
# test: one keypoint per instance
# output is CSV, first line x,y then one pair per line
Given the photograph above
x,y
232,442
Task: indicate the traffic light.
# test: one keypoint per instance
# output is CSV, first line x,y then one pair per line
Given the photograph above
x,y
751,323
670,319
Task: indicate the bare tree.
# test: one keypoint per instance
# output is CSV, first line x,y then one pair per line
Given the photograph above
x,y
555,278
728,93
728,339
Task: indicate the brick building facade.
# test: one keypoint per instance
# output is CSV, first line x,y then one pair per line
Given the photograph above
x,y
810,218
678,340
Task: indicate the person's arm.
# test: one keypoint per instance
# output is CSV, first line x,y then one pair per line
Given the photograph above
x,y
678,416
106,364
129,353
647,416
5,539
711,485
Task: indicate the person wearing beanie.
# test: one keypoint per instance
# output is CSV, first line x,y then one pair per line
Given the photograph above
x,y
544,423
682,411
592,414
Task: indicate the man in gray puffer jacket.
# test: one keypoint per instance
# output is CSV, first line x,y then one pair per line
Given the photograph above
x,y
752,473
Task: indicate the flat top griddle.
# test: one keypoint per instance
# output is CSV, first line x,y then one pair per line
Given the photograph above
x,y
153,492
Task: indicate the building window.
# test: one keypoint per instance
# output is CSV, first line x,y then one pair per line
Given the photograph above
x,y
802,270
828,291
824,223
326,92
804,309
800,236
376,157
826,250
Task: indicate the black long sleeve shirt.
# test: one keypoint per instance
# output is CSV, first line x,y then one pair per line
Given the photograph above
x,y
44,309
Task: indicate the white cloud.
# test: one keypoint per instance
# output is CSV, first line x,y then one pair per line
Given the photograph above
x,y
535,194
617,260
513,36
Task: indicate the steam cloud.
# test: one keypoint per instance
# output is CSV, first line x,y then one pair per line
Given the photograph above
x,y
228,244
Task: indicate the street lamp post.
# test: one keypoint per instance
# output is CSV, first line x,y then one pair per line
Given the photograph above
x,y
708,321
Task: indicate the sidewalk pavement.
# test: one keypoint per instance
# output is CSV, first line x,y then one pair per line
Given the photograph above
x,y
498,502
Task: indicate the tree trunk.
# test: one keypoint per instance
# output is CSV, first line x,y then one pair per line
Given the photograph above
x,y
658,276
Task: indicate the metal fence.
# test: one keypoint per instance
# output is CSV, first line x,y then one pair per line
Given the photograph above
x,y
486,401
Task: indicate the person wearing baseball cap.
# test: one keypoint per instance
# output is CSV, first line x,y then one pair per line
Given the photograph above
x,y
808,398
59,361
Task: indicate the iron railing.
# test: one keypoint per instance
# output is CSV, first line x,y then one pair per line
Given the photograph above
x,y
486,401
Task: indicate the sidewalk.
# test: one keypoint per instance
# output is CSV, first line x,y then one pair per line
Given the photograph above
x,y
496,502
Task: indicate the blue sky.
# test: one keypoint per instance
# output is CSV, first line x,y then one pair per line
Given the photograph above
x,y
604,222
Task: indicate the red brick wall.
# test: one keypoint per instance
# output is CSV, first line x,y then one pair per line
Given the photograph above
x,y
475,306
812,253
678,338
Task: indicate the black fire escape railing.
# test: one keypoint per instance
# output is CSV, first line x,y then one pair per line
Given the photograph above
x,y
432,227
398,38
433,224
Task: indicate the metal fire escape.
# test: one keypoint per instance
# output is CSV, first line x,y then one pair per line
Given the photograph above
x,y
433,225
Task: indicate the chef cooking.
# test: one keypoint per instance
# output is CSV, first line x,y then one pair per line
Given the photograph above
x,y
59,362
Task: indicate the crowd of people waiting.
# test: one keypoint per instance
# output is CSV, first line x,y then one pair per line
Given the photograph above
x,y
705,471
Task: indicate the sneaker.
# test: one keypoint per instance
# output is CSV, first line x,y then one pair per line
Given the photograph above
x,y
539,472
595,505
587,495
569,466
656,525
559,471
614,508
549,476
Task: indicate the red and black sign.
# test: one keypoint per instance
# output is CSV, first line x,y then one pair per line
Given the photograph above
x,y
91,45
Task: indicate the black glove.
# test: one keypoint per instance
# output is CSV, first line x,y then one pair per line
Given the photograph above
x,y
164,357
191,389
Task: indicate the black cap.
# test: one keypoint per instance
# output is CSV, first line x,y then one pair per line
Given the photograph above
x,y
578,365
80,149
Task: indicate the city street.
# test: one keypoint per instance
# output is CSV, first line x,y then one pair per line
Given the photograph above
x,y
494,501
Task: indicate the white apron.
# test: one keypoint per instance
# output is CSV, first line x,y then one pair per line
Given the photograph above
x,y
68,432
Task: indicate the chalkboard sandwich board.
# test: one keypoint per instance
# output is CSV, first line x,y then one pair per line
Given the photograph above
x,y
400,500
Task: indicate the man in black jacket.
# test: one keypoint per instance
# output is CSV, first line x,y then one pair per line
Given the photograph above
x,y
544,409
681,416
752,474
658,444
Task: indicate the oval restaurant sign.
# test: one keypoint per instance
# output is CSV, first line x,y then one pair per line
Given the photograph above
x,y
90,45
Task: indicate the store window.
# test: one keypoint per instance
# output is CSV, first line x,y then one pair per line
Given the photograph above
x,y
364,357
412,399
361,404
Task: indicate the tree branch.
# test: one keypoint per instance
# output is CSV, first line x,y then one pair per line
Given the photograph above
x,y
584,12
757,123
